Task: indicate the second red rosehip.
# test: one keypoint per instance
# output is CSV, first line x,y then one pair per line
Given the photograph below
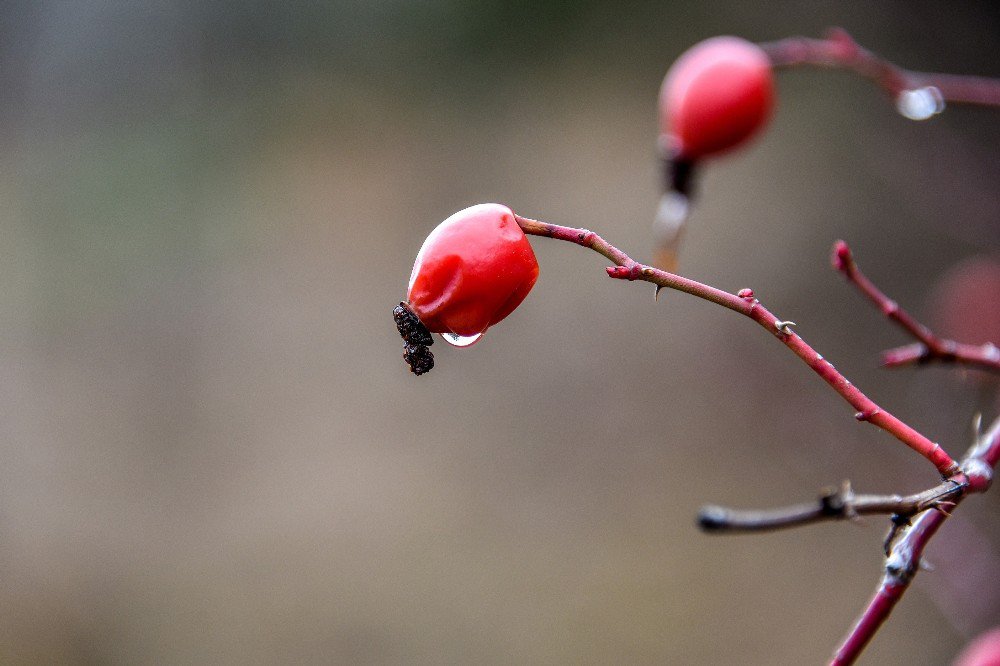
x,y
718,94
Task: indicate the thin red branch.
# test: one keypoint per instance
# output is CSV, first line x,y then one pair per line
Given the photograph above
x,y
928,347
870,622
626,268
839,50
903,561
986,356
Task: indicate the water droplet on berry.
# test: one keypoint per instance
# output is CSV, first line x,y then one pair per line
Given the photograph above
x,y
456,340
921,103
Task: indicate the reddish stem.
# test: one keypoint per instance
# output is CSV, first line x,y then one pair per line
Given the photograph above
x,y
928,347
840,50
744,303
986,356
904,560
901,566
869,623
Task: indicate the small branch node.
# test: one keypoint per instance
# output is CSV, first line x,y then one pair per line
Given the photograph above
x,y
838,502
832,502
631,272
745,293
848,49
979,474
947,466
900,569
894,565
867,414
955,489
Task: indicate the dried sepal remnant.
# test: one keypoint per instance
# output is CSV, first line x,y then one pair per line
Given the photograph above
x,y
419,358
416,340
410,329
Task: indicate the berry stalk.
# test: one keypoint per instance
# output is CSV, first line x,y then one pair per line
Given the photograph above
x,y
745,303
839,50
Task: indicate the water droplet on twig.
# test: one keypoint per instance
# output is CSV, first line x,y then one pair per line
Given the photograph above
x,y
920,103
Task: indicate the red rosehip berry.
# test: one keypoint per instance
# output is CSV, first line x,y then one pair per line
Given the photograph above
x,y
717,95
964,301
472,271
984,650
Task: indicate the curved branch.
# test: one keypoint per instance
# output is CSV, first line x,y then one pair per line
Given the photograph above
x,y
834,504
839,50
928,347
626,268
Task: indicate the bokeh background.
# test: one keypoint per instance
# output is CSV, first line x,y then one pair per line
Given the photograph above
x,y
211,451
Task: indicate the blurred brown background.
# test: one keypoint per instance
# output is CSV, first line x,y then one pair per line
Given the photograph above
x,y
211,451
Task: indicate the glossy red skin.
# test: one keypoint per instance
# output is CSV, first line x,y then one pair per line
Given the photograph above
x,y
472,271
965,301
718,94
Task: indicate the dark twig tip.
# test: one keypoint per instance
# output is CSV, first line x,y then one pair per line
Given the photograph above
x,y
713,518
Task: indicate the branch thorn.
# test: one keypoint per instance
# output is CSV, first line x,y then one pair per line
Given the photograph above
x,y
940,505
783,326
